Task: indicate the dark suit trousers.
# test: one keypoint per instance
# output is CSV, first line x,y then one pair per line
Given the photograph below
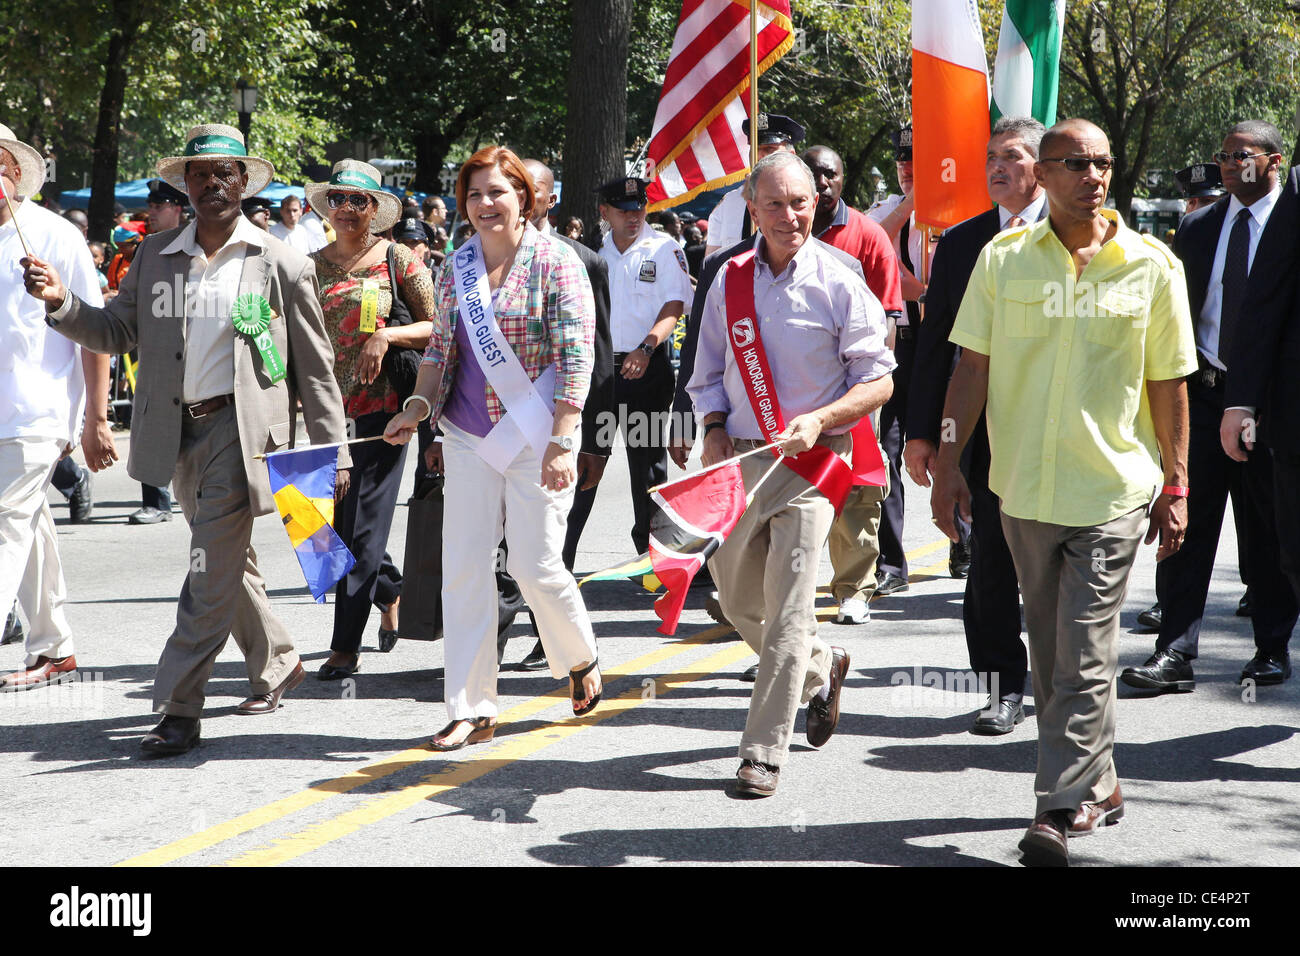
x,y
639,404
1183,578
363,520
893,436
991,607
1286,503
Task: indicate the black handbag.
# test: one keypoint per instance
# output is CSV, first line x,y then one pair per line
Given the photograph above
x,y
421,617
401,365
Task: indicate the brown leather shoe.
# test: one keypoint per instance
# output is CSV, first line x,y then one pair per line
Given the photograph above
x,y
1044,843
269,703
824,715
1094,816
47,671
755,779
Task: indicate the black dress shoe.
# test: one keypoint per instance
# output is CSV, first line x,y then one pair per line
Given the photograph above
x,y
13,628
1245,607
1164,671
173,735
536,659
82,500
1002,719
387,640
149,516
1267,668
1151,617
751,675
330,671
890,583
958,560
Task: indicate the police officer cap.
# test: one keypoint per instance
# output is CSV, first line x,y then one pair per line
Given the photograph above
x,y
902,140
774,128
1200,180
162,191
255,204
412,230
626,192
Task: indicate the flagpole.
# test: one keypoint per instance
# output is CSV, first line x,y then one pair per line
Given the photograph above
x,y
753,83
14,216
749,498
714,467
333,444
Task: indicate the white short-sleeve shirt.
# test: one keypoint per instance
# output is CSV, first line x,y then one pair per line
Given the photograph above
x,y
651,273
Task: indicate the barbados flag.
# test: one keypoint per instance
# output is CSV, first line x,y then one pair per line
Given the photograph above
x,y
302,481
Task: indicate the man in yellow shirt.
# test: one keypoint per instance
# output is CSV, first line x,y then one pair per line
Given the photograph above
x,y
1077,333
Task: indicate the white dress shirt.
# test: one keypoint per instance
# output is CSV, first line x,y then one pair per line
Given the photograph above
x,y
302,237
642,280
1028,215
727,220
42,387
211,288
822,330
1207,328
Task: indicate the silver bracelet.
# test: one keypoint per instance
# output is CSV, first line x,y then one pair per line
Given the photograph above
x,y
427,405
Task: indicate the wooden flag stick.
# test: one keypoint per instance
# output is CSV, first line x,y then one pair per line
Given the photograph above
x,y
715,467
334,444
27,250
753,83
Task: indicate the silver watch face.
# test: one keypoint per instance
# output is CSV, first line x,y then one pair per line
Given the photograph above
x,y
564,441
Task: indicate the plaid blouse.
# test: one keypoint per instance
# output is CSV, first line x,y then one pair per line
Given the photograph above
x,y
546,312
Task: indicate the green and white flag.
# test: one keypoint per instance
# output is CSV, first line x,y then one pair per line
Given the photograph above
x,y
1028,68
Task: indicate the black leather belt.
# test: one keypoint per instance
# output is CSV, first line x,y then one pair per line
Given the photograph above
x,y
208,406
905,333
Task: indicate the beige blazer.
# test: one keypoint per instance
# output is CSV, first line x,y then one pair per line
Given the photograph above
x,y
149,314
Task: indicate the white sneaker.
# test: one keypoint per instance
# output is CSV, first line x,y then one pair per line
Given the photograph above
x,y
853,611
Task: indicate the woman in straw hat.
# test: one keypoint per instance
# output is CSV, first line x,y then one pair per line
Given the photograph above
x,y
358,298
513,337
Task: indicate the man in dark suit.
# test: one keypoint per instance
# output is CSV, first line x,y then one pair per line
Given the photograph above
x,y
991,606
599,408
1240,264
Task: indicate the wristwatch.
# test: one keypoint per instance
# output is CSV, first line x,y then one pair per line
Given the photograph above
x,y
564,441
648,349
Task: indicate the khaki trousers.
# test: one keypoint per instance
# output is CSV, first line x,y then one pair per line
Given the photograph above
x,y
766,572
855,544
1073,581
223,594
30,569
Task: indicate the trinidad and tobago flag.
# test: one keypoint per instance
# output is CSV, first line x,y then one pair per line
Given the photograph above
x,y
695,515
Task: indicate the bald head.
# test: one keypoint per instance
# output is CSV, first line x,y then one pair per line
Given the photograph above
x,y
1065,131
1075,196
543,189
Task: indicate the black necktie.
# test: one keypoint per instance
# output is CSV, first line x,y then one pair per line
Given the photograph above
x,y
1235,270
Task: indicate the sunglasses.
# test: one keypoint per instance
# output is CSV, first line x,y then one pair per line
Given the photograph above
x,y
1239,156
355,200
1079,164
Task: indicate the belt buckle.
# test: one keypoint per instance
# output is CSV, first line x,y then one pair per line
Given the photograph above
x,y
1209,377
193,405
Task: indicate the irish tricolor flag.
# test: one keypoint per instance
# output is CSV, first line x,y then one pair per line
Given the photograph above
x,y
1027,71
950,111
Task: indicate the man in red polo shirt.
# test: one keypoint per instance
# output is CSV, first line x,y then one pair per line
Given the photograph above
x,y
853,541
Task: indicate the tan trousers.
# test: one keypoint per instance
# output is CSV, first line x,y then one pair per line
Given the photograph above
x,y
223,594
1073,581
855,544
766,572
30,569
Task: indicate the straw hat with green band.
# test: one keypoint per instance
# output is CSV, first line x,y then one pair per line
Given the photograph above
x,y
354,176
214,141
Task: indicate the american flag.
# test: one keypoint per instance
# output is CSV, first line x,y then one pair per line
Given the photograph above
x,y
697,143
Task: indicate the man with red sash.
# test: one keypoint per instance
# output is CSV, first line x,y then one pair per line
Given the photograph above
x,y
791,349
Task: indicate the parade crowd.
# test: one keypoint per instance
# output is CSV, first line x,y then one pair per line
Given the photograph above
x,y
1056,379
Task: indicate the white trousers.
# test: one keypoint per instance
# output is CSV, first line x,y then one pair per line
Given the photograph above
x,y
30,569
479,503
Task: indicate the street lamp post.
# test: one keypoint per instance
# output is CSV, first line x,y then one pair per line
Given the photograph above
x,y
245,103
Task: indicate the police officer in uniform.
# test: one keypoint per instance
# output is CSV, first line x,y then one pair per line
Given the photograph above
x,y
649,286
1201,185
729,222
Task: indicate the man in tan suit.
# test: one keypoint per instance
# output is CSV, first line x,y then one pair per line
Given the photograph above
x,y
212,393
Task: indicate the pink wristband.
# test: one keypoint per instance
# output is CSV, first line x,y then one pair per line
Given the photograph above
x,y
1177,491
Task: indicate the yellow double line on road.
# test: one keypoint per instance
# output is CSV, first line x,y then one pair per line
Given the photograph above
x,y
501,752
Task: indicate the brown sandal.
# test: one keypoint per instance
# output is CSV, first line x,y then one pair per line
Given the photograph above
x,y
484,728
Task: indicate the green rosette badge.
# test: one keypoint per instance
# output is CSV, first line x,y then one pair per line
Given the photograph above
x,y
251,316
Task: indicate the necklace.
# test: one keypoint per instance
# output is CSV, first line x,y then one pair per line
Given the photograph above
x,y
351,263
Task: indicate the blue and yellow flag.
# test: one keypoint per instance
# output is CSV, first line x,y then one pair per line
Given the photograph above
x,y
303,484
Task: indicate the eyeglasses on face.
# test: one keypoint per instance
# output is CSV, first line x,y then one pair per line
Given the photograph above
x,y
1238,156
1079,164
355,200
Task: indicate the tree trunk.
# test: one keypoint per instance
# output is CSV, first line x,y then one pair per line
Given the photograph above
x,y
103,171
595,132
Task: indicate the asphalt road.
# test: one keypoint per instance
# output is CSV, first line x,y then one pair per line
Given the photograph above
x,y
340,775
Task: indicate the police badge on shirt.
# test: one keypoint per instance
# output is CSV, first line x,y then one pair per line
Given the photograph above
x,y
647,272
